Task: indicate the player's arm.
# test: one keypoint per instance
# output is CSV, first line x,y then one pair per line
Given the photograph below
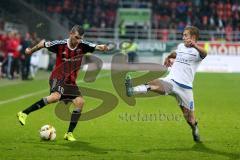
x,y
201,50
37,47
102,47
91,47
168,62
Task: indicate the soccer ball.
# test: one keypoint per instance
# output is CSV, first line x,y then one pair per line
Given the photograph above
x,y
47,132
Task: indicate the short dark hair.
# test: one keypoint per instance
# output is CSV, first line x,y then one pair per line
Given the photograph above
x,y
77,28
193,31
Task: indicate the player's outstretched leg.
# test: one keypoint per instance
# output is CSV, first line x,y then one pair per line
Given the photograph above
x,y
22,115
78,103
190,118
130,90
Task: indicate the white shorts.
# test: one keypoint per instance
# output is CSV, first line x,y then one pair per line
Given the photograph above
x,y
183,96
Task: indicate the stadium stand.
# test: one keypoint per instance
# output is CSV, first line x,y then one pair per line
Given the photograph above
x,y
208,15
217,19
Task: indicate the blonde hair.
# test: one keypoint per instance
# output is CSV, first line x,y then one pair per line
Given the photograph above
x,y
193,31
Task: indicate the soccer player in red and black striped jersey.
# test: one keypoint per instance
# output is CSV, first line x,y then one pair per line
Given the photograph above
x,y
63,77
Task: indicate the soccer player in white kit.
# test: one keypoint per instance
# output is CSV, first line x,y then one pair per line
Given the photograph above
x,y
178,82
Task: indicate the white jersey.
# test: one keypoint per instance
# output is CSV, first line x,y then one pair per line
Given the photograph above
x,y
186,63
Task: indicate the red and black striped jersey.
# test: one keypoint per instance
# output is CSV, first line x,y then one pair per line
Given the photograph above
x,y
68,60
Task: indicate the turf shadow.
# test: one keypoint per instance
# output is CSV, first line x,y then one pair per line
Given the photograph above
x,y
85,146
74,146
198,147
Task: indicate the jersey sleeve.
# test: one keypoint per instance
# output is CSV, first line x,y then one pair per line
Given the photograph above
x,y
88,47
52,46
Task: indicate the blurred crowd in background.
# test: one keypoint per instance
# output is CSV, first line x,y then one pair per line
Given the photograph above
x,y
14,63
206,14
174,14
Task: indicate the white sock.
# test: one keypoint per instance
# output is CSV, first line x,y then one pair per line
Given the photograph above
x,y
140,89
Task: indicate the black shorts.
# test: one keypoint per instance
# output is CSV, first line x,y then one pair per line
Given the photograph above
x,y
67,91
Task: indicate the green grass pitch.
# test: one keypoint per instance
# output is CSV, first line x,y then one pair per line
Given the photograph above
x,y
122,133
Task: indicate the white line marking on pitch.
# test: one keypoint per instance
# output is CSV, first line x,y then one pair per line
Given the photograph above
x,y
39,92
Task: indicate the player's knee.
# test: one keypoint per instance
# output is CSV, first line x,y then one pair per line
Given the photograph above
x,y
79,102
189,116
186,114
54,97
191,120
